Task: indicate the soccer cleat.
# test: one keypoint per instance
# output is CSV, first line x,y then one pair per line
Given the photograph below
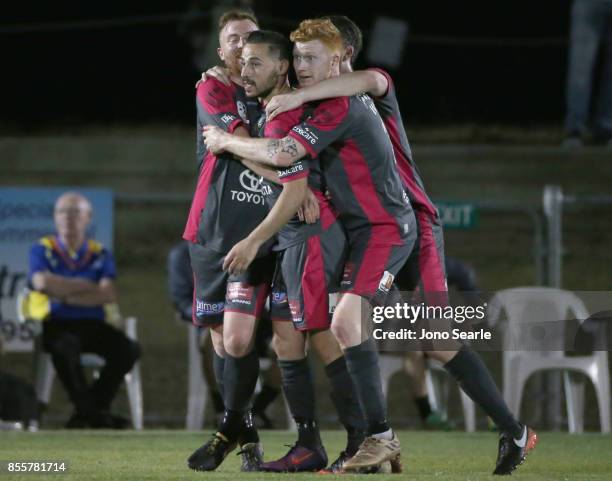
x,y
252,457
374,452
512,452
299,458
209,456
337,466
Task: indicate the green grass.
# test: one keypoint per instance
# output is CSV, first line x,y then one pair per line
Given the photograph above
x,y
153,455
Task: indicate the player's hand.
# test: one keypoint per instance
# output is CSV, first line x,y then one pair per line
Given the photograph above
x,y
282,103
240,256
220,73
309,210
213,138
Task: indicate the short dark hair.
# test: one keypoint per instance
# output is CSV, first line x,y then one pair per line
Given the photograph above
x,y
277,43
351,34
235,15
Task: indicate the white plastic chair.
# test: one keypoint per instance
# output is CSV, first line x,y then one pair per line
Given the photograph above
x,y
537,305
45,374
437,391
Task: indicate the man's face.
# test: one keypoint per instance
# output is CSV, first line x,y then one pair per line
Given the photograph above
x,y
231,40
72,216
313,62
260,69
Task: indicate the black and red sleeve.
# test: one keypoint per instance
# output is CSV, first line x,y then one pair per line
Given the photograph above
x,y
217,105
326,125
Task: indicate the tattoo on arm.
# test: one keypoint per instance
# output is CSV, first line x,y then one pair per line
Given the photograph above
x,y
289,147
273,148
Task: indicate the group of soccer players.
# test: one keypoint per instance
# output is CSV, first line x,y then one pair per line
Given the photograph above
x,y
302,193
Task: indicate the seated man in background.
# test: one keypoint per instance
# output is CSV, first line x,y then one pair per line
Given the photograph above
x,y
180,286
75,276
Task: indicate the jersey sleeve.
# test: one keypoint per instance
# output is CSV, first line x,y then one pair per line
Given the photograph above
x,y
386,103
217,106
108,270
326,125
278,128
37,261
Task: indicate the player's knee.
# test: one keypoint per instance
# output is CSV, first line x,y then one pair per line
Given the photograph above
x,y
288,347
237,344
341,331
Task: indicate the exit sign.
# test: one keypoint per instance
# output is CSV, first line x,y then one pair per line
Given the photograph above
x,y
458,215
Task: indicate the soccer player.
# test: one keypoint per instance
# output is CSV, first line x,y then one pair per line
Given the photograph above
x,y
226,206
310,266
427,260
347,137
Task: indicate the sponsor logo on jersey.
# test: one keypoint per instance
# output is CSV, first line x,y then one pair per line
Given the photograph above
x,y
296,312
306,133
386,282
239,293
266,189
347,275
227,119
253,189
294,169
279,298
204,308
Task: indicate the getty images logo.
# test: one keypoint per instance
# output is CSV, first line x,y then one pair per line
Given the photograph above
x,y
252,189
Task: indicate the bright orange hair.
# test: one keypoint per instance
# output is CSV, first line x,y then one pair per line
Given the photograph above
x,y
319,29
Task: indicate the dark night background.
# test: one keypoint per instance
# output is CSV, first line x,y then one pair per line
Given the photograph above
x,y
143,73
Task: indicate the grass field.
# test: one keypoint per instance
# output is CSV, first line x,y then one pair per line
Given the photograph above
x,y
153,455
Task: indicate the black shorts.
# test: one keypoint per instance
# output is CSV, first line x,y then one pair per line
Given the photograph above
x,y
216,292
309,271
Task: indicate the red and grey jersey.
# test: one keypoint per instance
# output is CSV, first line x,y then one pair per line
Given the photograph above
x,y
228,203
348,137
388,107
295,231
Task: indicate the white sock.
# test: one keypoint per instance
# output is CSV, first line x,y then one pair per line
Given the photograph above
x,y
388,435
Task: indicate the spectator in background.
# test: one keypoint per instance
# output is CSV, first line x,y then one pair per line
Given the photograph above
x,y
180,286
591,33
74,281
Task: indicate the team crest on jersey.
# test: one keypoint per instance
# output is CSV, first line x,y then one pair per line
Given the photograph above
x,y
242,111
261,122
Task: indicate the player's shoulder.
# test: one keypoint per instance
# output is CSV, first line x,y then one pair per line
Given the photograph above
x,y
212,83
336,108
216,94
294,115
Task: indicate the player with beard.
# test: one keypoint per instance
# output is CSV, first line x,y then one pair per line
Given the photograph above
x,y
226,206
425,268
309,265
355,156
